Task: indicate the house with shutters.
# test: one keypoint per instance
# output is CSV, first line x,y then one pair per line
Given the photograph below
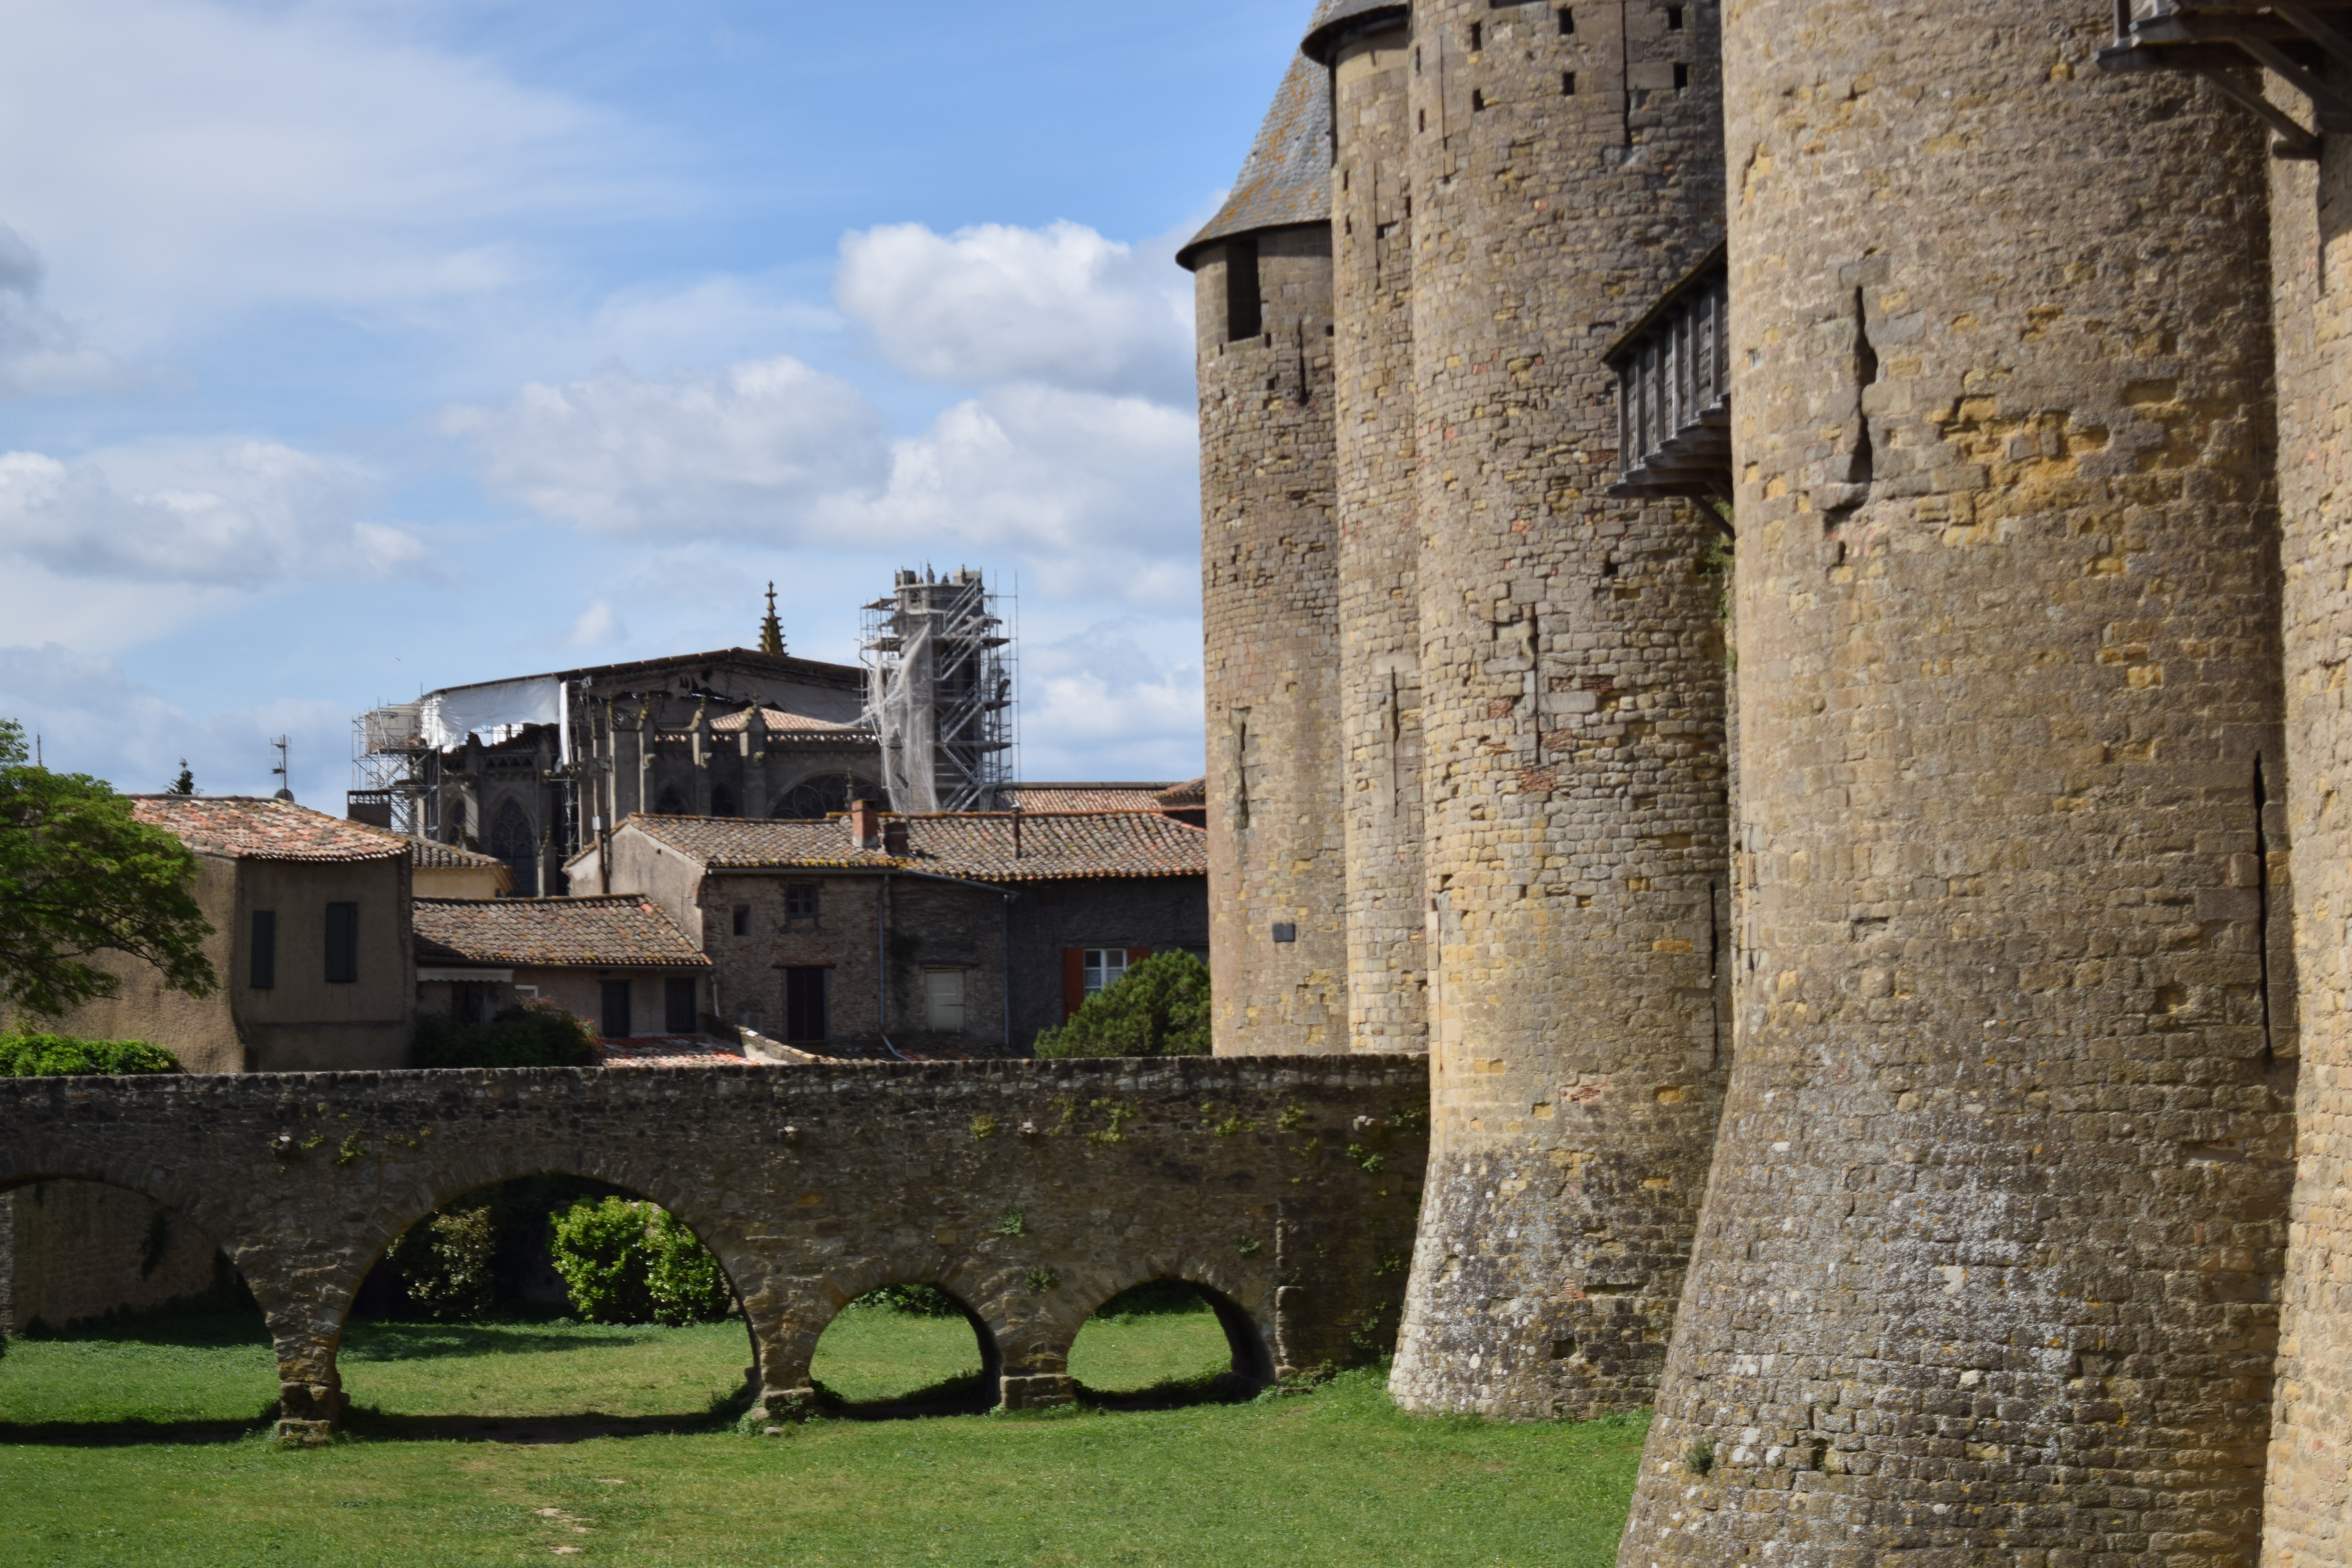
x,y
619,963
875,935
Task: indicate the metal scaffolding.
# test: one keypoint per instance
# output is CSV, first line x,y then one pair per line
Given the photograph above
x,y
939,689
392,765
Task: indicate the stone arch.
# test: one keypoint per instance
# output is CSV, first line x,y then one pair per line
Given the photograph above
x,y
786,1388
325,1310
516,842
1243,1306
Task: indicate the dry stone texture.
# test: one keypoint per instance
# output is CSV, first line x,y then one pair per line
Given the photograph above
x,y
1572,719
1380,540
1987,1267
2308,1518
1032,1192
74,1250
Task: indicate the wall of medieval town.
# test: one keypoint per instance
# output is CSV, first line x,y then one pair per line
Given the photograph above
x,y
71,1251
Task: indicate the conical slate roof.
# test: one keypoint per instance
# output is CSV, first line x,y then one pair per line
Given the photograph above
x,y
1335,17
1286,178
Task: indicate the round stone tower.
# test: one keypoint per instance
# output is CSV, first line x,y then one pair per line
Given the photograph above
x,y
1990,1244
2307,1517
1566,169
1366,45
1269,574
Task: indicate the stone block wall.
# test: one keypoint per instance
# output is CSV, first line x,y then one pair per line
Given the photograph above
x,y
1378,541
2307,1518
1988,1267
76,1250
1270,610
1566,169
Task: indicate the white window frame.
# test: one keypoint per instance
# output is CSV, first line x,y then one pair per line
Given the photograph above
x,y
1103,967
934,1013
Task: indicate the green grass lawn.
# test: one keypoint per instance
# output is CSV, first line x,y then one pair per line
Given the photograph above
x,y
482,1445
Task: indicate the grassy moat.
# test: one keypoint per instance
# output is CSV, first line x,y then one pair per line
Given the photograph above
x,y
519,1442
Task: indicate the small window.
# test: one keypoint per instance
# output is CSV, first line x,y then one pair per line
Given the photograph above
x,y
680,1011
619,1025
1105,967
1424,120
1477,37
264,967
943,999
1244,301
1681,78
805,1019
800,902
1478,102
1568,24
742,920
343,944
1568,85
1674,18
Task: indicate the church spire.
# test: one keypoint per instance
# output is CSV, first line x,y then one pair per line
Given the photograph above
x,y
771,630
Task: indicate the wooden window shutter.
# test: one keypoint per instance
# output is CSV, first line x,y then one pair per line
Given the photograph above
x,y
1136,955
1074,981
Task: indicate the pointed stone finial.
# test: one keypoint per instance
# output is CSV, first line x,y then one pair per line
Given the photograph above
x,y
771,630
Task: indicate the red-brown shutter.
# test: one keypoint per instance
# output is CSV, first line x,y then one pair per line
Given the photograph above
x,y
1136,955
1074,981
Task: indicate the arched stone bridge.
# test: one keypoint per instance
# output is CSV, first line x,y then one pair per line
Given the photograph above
x,y
1032,1192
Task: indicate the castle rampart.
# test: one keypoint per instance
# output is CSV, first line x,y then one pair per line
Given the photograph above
x,y
2307,1518
1987,1267
1269,568
1566,168
1368,49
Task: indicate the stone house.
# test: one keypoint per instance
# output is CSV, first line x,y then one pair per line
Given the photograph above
x,y
310,941
950,935
620,962
448,871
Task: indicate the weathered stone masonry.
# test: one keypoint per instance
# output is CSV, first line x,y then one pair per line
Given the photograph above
x,y
1988,1263
1032,1192
1572,708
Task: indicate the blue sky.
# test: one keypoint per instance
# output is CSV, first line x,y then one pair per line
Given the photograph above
x,y
353,347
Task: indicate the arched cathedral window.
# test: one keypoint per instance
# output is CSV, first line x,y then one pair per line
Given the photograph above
x,y
512,841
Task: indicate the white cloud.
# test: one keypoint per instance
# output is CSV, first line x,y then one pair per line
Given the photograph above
x,y
1061,305
93,718
1100,694
599,626
40,353
234,514
747,450
196,156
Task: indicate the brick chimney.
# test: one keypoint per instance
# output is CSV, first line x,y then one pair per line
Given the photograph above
x,y
864,825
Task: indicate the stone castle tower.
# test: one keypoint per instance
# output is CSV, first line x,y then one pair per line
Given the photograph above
x,y
1925,1074
1269,578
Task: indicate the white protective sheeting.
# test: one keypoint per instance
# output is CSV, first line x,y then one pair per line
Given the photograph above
x,y
494,712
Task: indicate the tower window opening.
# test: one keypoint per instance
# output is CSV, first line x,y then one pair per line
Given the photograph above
x,y
1244,310
1416,59
1424,120
1568,84
1477,102
1682,76
1477,37
1568,24
1674,18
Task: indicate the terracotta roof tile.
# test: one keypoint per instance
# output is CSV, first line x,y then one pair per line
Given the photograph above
x,y
586,934
1079,797
781,722
246,827
432,856
1054,847
1192,792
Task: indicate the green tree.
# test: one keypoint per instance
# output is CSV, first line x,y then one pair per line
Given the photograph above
x,y
1159,1008
186,782
624,1262
38,1054
79,876
530,1036
446,1262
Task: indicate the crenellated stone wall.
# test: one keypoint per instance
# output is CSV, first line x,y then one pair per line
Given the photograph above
x,y
1988,1265
1572,680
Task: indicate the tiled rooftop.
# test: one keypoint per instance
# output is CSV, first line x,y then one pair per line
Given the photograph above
x,y
1286,178
247,827
1079,797
1053,847
432,856
781,723
600,932
1193,793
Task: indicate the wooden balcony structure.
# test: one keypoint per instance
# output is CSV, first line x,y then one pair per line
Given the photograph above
x,y
2222,40
1674,391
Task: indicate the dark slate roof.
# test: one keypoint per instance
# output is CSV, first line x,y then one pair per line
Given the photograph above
x,y
1286,178
1335,19
980,846
552,933
246,827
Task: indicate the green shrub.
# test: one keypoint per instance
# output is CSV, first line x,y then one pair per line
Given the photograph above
x,y
1159,1008
446,1262
627,1262
33,1055
534,1036
915,1300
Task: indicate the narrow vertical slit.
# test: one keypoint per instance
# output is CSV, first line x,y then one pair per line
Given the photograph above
x,y
1866,376
2262,905
1715,969
1241,773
